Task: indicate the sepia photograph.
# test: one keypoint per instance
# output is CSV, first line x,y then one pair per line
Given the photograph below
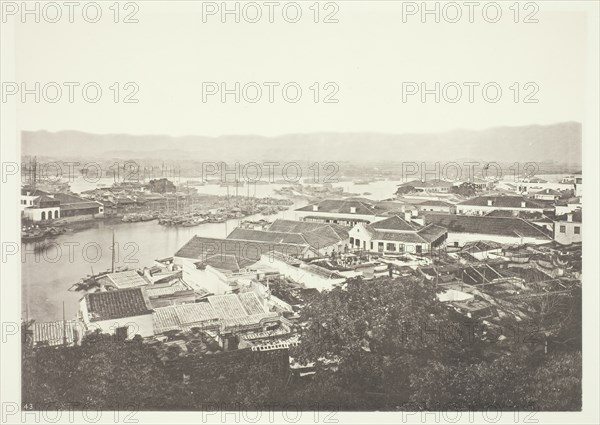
x,y
300,212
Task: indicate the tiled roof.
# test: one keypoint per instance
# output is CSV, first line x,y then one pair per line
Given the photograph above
x,y
223,262
251,303
432,232
246,253
126,279
52,333
80,206
304,227
32,192
323,217
394,223
326,238
184,315
225,311
227,306
503,202
404,237
264,236
116,304
484,225
66,198
249,320
159,290
434,203
343,207
536,217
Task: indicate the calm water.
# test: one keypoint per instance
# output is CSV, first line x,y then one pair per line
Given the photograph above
x,y
48,275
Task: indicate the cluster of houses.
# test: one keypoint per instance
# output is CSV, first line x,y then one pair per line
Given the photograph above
x,y
224,287
41,206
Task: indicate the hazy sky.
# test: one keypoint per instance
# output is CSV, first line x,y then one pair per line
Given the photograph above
x,y
368,55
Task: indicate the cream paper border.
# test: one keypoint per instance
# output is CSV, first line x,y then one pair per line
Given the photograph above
x,y
10,287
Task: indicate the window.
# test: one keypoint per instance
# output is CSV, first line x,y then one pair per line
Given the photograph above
x,y
563,229
577,230
371,245
380,246
419,249
121,333
351,241
456,244
390,247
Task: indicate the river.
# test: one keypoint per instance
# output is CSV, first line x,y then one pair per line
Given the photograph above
x,y
47,276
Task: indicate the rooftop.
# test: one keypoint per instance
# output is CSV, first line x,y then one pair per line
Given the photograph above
x,y
80,206
126,279
503,202
485,225
292,226
427,183
52,333
435,203
227,311
264,236
117,304
394,223
343,207
245,253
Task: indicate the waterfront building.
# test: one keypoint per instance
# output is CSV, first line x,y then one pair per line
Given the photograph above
x,y
397,236
482,205
39,206
214,264
431,205
567,228
124,312
74,206
321,239
463,229
343,212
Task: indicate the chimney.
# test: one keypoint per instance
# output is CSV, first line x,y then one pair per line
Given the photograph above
x,y
490,202
407,216
523,204
570,217
315,208
353,210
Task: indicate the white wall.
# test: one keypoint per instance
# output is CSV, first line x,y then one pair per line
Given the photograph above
x,y
484,209
137,325
333,216
299,275
208,279
463,238
35,214
568,236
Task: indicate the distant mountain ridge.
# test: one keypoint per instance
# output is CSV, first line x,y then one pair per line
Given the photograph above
x,y
557,142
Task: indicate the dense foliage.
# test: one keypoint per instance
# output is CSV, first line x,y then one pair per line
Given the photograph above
x,y
383,344
161,186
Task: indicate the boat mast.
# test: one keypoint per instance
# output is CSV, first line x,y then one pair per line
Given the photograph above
x,y
113,252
